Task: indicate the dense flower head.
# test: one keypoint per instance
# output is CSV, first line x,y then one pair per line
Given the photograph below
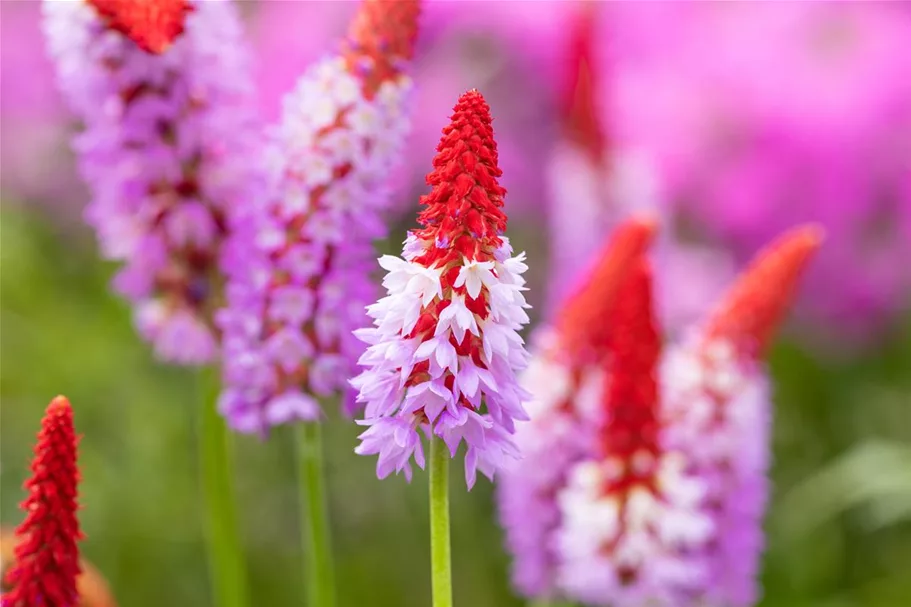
x,y
444,348
300,263
631,517
47,555
168,149
566,379
644,478
151,24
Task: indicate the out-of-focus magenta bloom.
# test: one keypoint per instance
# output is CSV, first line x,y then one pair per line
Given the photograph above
x,y
762,115
645,484
299,264
444,349
169,151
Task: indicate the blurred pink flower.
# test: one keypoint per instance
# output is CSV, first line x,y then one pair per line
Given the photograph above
x,y
763,115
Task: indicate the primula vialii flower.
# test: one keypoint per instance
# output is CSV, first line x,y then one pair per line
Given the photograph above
x,y
47,556
565,378
645,483
444,349
168,150
717,409
300,266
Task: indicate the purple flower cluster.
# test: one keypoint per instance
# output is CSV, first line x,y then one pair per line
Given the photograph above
x,y
300,262
168,149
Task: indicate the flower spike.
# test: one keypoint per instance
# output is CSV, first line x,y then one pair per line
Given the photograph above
x,y
566,379
631,518
582,323
152,24
47,556
444,348
169,150
753,307
299,272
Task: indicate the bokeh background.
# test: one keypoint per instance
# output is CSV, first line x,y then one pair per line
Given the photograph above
x,y
750,116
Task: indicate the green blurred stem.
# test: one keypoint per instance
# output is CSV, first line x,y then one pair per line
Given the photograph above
x,y
320,578
440,559
227,569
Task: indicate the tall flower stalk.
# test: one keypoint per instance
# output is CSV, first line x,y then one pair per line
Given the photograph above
x,y
47,555
645,476
444,347
299,263
169,146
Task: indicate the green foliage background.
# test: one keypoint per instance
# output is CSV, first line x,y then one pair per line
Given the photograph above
x,y
839,527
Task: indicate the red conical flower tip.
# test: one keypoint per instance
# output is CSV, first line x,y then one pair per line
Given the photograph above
x,y
754,306
580,103
463,214
381,39
152,24
630,433
583,324
47,557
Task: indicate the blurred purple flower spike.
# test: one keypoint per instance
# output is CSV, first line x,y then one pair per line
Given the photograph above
x,y
168,150
299,263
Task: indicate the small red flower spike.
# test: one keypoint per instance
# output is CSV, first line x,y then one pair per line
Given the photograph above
x,y
463,212
630,433
581,96
754,306
47,557
152,24
583,324
380,40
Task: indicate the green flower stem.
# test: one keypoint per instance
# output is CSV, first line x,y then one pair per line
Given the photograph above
x,y
227,570
320,577
440,559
